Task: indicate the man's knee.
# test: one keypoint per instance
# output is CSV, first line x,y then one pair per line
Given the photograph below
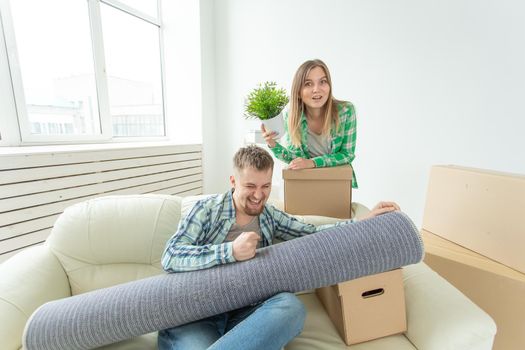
x,y
292,309
290,301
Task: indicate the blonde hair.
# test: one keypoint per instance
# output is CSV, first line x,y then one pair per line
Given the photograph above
x,y
297,105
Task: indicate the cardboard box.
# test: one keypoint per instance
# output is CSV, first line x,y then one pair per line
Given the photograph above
x,y
480,210
496,288
319,191
366,308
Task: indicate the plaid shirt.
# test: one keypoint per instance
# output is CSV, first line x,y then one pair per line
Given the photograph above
x,y
343,142
199,241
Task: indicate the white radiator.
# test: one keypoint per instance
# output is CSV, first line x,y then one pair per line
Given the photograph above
x,y
36,187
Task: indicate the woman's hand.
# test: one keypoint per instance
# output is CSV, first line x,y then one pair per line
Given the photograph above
x,y
301,163
268,136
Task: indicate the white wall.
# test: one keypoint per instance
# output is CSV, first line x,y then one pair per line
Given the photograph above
x,y
433,82
211,139
182,70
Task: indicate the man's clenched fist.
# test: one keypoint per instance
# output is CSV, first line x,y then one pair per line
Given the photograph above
x,y
244,245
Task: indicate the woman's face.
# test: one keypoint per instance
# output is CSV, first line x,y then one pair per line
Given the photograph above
x,y
316,89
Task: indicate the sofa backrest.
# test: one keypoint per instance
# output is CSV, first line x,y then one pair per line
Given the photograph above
x,y
114,239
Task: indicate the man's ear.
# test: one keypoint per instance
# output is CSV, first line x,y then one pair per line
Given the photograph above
x,y
232,181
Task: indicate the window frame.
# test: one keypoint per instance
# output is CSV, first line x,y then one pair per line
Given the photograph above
x,y
9,130
20,118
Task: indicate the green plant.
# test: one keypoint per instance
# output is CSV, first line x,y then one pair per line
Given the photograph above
x,y
265,101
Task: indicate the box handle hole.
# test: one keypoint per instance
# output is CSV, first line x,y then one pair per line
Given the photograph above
x,y
373,293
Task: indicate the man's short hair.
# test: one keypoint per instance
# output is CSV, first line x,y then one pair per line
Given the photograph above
x,y
252,156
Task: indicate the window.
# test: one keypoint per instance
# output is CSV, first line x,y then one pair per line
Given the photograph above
x,y
85,70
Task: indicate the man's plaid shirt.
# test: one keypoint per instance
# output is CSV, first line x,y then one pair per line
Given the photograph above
x,y
199,241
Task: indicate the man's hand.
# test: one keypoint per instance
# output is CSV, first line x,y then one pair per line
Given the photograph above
x,y
244,245
382,208
301,163
268,136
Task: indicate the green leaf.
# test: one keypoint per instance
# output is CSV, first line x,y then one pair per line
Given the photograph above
x,y
265,102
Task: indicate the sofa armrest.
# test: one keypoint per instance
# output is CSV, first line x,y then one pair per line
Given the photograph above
x,y
440,317
29,279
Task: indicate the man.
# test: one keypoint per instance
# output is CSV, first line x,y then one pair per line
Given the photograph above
x,y
228,228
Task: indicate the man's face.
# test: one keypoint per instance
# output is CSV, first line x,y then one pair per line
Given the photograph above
x,y
252,188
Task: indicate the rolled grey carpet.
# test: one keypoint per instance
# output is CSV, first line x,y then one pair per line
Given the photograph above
x,y
120,312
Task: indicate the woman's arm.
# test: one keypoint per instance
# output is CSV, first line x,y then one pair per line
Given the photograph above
x,y
286,154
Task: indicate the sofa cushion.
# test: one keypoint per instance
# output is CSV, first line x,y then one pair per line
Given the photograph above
x,y
27,280
114,239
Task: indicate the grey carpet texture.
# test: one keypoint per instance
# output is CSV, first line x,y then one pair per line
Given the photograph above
x,y
120,312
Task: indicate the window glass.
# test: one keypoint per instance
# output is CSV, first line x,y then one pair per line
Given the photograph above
x,y
56,63
133,67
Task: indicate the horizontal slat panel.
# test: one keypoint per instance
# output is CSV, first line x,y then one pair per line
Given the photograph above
x,y
32,238
193,192
179,189
36,185
38,236
12,246
60,171
48,221
58,207
27,226
24,240
30,160
16,203
20,189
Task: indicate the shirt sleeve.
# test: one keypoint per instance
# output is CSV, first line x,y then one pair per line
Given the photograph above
x,y
282,153
183,252
286,154
345,141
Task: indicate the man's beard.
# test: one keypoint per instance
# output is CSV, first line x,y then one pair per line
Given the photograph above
x,y
252,211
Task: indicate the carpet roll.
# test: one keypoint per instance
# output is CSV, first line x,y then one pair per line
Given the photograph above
x,y
123,311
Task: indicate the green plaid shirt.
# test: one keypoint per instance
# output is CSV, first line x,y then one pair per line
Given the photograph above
x,y
199,241
343,142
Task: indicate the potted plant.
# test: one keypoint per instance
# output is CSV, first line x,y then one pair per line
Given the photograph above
x,y
266,103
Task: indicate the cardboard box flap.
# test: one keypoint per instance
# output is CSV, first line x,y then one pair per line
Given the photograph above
x,y
343,172
481,210
439,246
481,171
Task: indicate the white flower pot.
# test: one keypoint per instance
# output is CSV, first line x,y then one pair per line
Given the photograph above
x,y
275,124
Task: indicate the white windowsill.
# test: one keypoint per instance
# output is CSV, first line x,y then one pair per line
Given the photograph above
x,y
28,150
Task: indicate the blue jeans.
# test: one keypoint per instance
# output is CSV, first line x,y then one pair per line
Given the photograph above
x,y
268,325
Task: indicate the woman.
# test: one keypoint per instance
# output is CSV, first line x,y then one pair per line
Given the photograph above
x,y
320,131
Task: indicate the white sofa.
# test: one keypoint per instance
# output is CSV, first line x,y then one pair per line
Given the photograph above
x,y
115,239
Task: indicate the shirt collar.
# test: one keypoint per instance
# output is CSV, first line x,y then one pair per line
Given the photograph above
x,y
228,208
